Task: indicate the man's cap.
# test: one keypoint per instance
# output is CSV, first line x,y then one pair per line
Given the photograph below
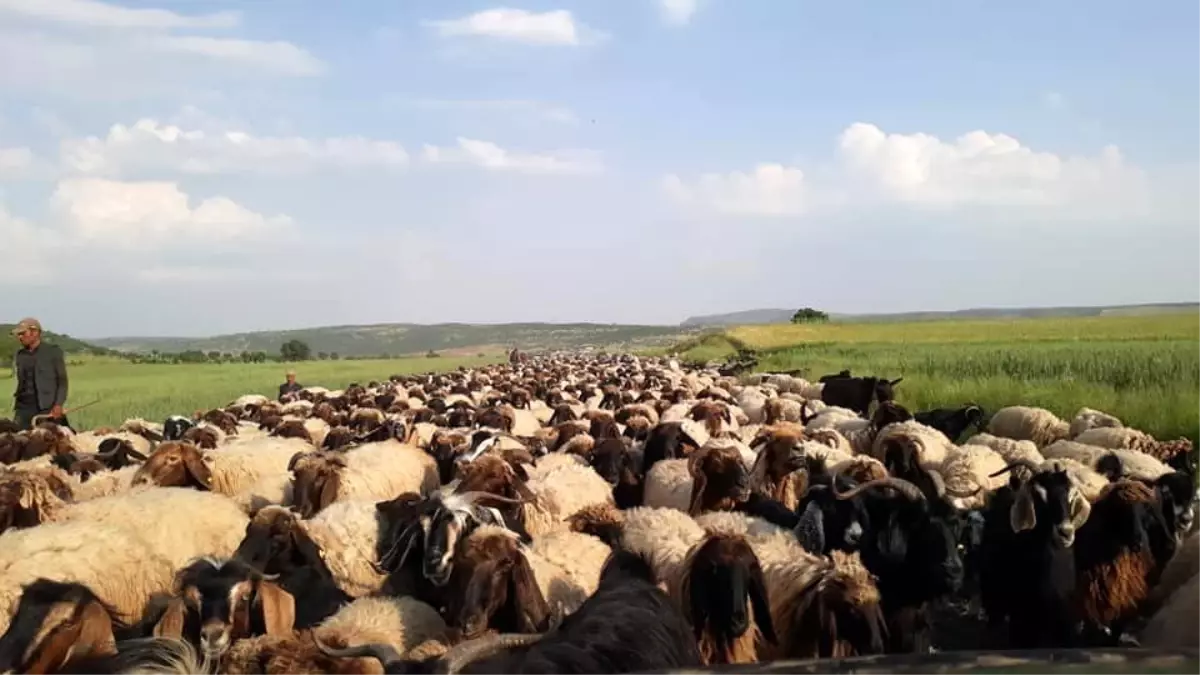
x,y
27,323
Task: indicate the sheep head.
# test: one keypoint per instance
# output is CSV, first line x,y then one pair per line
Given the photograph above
x,y
276,542
316,481
56,622
492,585
176,464
1047,501
29,498
723,593
719,479
491,474
205,437
292,429
118,453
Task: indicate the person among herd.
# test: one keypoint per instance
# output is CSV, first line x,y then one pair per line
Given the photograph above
x,y
290,386
41,374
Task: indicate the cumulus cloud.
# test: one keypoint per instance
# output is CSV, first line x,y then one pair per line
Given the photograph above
x,y
151,215
769,190
492,157
101,14
28,250
677,12
151,145
556,27
977,169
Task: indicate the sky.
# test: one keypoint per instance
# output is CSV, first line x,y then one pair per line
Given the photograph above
x,y
187,167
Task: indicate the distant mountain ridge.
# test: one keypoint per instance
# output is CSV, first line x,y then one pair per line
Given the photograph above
x,y
399,339
762,316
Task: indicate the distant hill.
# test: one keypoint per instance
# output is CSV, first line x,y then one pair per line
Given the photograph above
x,y
9,344
761,316
398,339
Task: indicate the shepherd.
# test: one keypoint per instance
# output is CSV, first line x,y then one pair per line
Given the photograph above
x,y
41,374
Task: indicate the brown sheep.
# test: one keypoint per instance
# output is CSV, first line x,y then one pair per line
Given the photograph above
x,y
778,472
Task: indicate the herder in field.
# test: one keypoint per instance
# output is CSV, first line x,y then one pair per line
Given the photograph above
x,y
290,386
41,373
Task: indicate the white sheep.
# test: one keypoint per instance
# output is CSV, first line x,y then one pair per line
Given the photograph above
x,y
1134,439
1087,418
1025,423
969,468
236,469
1133,463
373,471
932,445
1010,449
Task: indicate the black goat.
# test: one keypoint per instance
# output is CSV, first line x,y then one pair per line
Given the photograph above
x,y
175,427
840,375
666,441
857,393
826,522
627,626
1027,572
911,546
953,421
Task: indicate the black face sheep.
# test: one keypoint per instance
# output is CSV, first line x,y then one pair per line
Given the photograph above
x,y
618,466
667,440
54,624
723,593
953,422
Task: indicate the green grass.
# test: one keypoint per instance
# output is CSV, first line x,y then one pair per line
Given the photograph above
x,y
154,391
1145,370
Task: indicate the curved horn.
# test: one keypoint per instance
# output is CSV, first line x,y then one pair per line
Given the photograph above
x,y
1028,464
465,653
384,652
472,495
898,484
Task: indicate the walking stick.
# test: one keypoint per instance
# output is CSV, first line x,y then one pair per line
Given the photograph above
x,y
38,419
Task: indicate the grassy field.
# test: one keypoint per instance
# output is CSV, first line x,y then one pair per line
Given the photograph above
x,y
155,391
1144,369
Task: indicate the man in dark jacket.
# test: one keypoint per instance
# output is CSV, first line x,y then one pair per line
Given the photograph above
x,y
41,374
290,386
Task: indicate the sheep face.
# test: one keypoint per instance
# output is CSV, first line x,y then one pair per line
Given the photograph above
x,y
25,497
53,622
275,542
316,481
203,437
118,453
337,438
720,479
218,603
446,448
724,594
292,429
176,465
493,475
492,586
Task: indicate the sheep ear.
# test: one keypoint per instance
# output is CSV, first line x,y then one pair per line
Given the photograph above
x,y
1080,507
278,608
810,531
194,462
534,612
329,491
761,604
52,652
170,624
1022,515
699,482
896,381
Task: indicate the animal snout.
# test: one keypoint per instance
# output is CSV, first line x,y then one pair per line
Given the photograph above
x,y
853,533
214,639
1065,534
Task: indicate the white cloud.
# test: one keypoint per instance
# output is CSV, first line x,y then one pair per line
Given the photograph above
x,y
490,156
770,190
536,109
678,12
100,14
977,169
555,27
153,214
15,160
277,56
151,145
29,247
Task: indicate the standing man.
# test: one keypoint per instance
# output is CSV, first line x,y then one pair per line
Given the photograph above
x,y
41,373
290,386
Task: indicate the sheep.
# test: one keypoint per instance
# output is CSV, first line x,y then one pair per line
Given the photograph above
x,y
776,471
1117,438
712,478
1024,423
1131,462
971,468
498,582
113,560
1010,449
395,625
374,471
89,442
627,625
238,470
820,606
1086,419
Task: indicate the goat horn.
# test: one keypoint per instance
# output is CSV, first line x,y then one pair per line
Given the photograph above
x,y
898,484
1028,464
384,652
464,654
473,495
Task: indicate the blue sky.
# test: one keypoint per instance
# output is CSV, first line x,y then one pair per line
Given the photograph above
x,y
176,167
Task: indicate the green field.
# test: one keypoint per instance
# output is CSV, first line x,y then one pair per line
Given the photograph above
x,y
154,391
1144,369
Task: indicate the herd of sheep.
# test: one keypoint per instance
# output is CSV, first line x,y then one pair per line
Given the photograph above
x,y
585,514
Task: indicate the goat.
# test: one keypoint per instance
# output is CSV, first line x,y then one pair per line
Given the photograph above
x,y
953,421
857,393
